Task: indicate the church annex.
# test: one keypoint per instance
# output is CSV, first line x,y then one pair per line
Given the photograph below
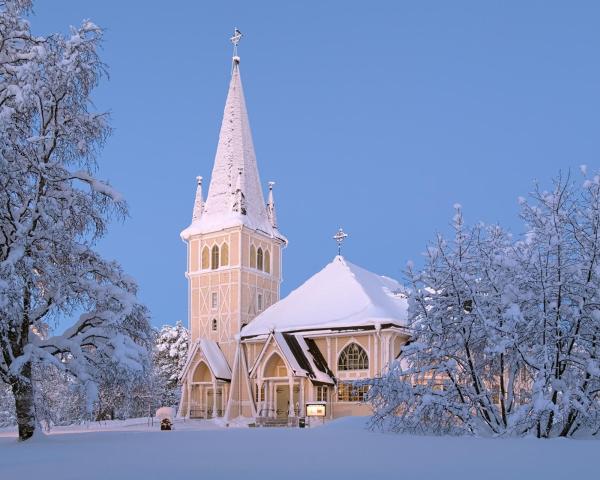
x,y
252,354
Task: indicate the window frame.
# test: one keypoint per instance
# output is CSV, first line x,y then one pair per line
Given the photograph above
x,y
214,257
348,392
205,258
260,259
353,357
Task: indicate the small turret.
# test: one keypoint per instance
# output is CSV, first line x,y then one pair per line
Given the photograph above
x,y
198,202
271,214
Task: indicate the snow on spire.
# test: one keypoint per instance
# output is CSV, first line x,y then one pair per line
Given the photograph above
x,y
239,199
271,207
235,164
198,202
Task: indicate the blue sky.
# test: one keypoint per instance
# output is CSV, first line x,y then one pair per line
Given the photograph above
x,y
376,116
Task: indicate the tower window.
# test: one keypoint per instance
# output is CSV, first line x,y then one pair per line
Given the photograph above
x,y
259,259
224,254
267,261
214,300
215,257
205,258
214,324
252,256
259,302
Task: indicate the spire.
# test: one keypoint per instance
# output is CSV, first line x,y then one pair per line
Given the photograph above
x,y
235,195
198,202
271,214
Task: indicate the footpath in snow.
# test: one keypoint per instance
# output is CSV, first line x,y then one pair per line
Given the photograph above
x,y
341,449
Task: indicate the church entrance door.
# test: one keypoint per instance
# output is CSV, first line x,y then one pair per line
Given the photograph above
x,y
282,393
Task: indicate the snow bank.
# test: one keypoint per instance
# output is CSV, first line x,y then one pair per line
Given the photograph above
x,y
341,449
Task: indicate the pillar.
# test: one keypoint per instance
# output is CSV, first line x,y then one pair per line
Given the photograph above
x,y
214,412
301,399
260,401
291,409
188,388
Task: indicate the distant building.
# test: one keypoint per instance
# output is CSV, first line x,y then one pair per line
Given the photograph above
x,y
252,354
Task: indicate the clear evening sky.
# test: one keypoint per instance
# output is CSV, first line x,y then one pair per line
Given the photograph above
x,y
376,116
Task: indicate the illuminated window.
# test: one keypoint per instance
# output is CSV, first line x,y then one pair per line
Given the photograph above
x,y
259,302
215,257
214,300
347,392
205,258
353,357
259,259
224,254
321,393
252,256
214,324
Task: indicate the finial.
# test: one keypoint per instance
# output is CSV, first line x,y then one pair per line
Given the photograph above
x,y
198,202
272,216
235,40
339,237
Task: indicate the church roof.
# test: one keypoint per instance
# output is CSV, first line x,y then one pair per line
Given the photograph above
x,y
235,194
214,357
340,296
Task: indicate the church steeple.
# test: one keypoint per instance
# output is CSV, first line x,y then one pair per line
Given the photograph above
x,y
235,165
234,259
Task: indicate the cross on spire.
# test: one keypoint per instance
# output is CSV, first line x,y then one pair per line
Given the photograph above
x,y
339,237
235,40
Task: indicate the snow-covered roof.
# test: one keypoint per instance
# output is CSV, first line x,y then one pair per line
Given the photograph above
x,y
302,357
214,357
342,295
216,360
235,194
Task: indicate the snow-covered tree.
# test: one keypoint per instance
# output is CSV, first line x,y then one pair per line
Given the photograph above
x,y
505,334
170,355
52,211
560,302
7,406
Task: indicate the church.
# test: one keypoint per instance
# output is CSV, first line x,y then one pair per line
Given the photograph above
x,y
252,354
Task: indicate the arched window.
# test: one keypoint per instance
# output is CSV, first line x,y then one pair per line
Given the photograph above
x,y
259,259
214,324
353,357
205,258
215,257
252,256
267,261
224,254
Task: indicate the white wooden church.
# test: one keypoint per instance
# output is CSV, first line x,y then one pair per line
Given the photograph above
x,y
252,354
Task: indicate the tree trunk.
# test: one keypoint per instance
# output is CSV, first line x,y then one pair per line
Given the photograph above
x,y
22,389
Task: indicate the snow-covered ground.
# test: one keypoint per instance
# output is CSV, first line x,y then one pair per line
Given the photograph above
x,y
341,449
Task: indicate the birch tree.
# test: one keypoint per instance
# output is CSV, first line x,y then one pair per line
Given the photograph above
x,y
53,210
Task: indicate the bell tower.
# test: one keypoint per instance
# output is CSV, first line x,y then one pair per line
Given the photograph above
x,y
234,246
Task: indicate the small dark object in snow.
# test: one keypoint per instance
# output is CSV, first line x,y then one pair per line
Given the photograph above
x,y
165,424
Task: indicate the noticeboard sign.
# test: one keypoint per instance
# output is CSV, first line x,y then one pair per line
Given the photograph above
x,y
316,409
